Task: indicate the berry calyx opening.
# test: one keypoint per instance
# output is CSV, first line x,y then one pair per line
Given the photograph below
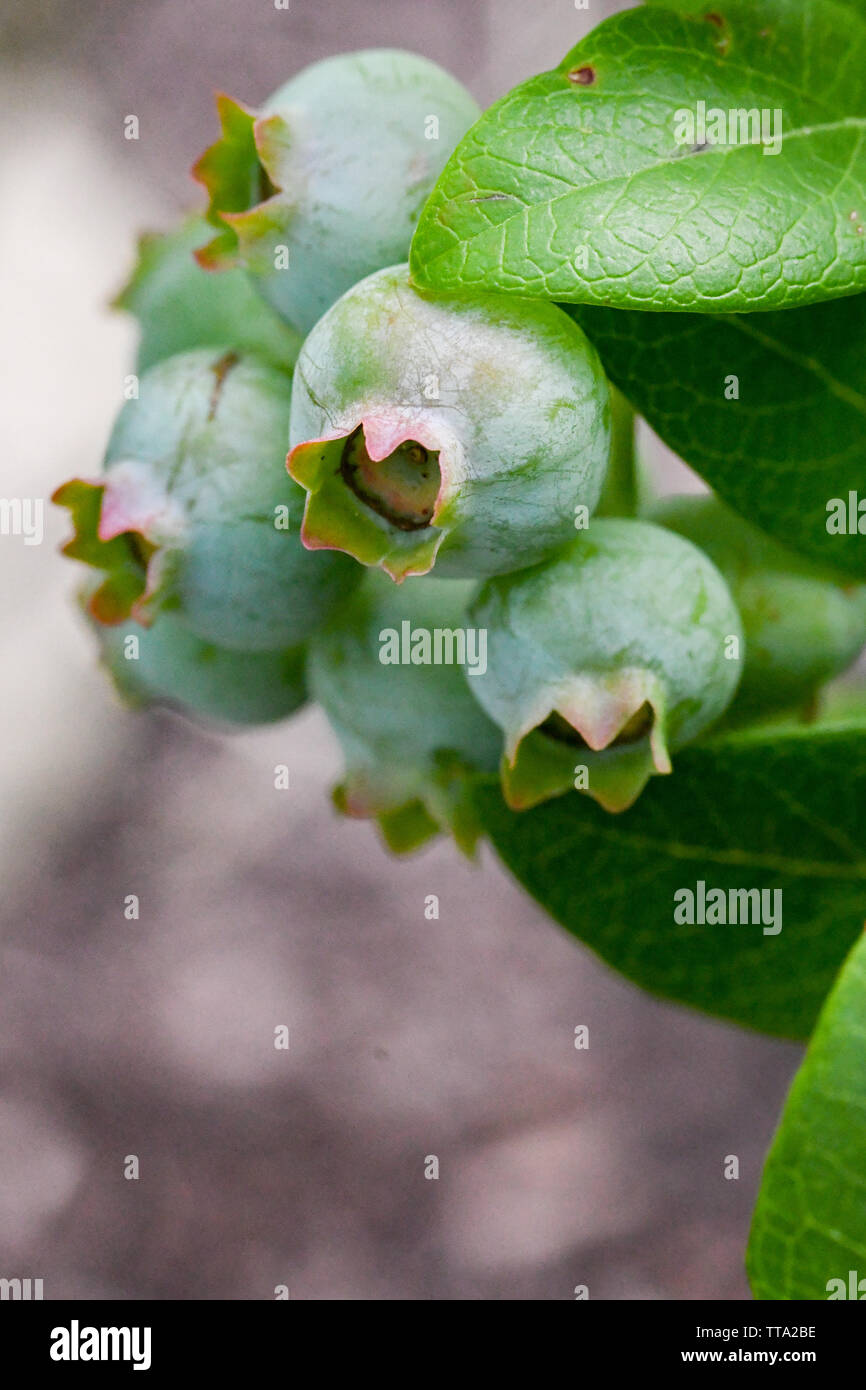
x,y
603,733
123,558
377,491
635,728
121,527
239,184
402,487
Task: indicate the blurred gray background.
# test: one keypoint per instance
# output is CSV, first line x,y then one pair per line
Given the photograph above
x,y
259,908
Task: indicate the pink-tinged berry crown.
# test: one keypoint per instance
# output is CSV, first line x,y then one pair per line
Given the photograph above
x,y
611,723
239,172
380,492
116,525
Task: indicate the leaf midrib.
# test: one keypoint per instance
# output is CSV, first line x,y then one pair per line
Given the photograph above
x,y
855,399
734,857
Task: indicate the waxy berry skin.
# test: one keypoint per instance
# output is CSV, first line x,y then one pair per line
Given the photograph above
x,y
467,433
195,515
180,306
410,732
173,667
325,183
803,624
622,648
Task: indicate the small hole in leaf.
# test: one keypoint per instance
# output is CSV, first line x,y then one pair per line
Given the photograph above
x,y
582,77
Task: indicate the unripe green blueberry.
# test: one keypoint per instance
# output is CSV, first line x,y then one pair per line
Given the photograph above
x,y
194,513
471,433
803,625
167,664
325,183
409,729
604,660
181,306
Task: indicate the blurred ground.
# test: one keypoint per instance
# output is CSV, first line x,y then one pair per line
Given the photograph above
x,y
408,1038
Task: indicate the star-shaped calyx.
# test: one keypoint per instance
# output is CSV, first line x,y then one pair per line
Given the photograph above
x,y
602,732
124,525
383,491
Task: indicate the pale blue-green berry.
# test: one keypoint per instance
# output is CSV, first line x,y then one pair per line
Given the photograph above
x,y
468,433
803,624
325,182
180,306
194,513
604,660
167,664
391,673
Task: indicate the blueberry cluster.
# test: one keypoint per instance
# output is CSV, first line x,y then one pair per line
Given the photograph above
x,y
330,483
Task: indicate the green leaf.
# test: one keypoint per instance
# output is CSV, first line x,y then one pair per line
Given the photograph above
x,y
773,808
810,1222
701,6
793,441
583,185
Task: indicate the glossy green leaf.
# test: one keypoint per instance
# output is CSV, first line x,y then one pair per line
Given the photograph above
x,y
769,408
809,1231
585,185
768,809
